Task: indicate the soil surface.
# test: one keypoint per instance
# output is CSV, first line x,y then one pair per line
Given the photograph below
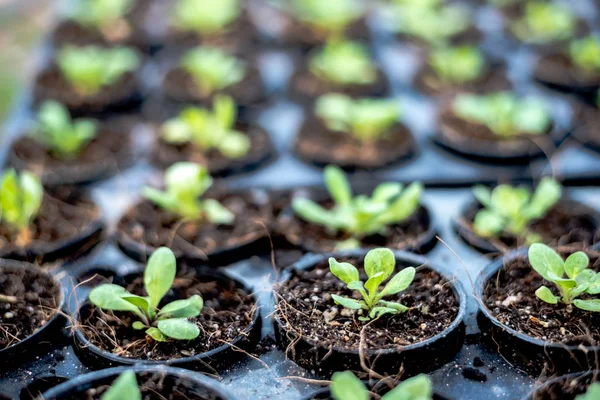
x,y
565,389
492,78
228,311
559,70
305,305
319,145
471,35
297,33
28,299
510,297
166,154
588,132
147,224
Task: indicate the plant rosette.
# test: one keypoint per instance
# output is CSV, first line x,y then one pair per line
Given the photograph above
x,y
65,151
498,127
325,337
339,67
216,227
575,386
44,226
140,382
354,134
228,325
213,138
460,69
543,215
92,80
587,132
31,303
528,331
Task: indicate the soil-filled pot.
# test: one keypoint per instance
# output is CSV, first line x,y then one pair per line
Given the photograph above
x,y
155,383
588,130
323,337
31,312
565,387
67,226
145,227
319,145
260,153
476,141
417,233
568,222
527,331
470,36
229,325
105,155
492,78
557,71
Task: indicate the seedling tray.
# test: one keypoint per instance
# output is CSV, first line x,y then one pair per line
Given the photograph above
x,y
476,372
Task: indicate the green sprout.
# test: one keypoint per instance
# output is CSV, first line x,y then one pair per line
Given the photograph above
x,y
185,184
91,68
125,387
422,3
513,209
544,22
170,321
206,17
346,386
580,279
344,63
379,265
331,16
592,393
365,119
212,69
20,201
503,113
100,13
208,130
62,136
360,216
457,65
585,53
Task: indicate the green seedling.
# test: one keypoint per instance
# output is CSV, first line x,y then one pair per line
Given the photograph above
x,y
580,278
185,184
208,130
457,65
346,386
511,210
91,68
100,14
344,63
365,119
331,16
206,17
125,387
360,216
592,393
379,265
544,22
585,53
62,136
212,69
170,321
20,201
504,114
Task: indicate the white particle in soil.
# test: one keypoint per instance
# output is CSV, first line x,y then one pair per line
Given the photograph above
x,y
9,315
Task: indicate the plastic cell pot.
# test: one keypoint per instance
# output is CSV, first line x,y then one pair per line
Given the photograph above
x,y
554,389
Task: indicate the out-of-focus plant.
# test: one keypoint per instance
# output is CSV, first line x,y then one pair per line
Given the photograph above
x,y
585,53
346,386
458,65
344,63
100,14
331,16
206,17
125,387
212,69
544,22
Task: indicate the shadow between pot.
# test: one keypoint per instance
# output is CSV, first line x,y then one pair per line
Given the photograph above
x,y
437,350
553,389
193,384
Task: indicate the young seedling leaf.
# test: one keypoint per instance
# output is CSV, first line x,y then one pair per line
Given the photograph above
x,y
576,263
399,282
178,328
592,392
344,271
156,334
159,274
337,185
109,297
346,386
544,261
123,388
588,305
544,294
138,326
187,308
346,302
416,388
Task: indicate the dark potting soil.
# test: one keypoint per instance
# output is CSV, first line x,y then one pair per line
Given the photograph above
x,y
180,86
146,223
510,296
471,35
492,78
304,304
318,238
227,312
588,130
565,389
297,33
558,69
165,154
28,299
317,144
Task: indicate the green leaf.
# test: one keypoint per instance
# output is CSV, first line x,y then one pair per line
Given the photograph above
x,y
346,386
312,212
178,328
386,191
588,305
399,282
346,302
592,392
337,185
187,308
216,213
123,388
544,260
138,326
400,308
373,283
344,271
404,206
143,303
416,388
379,311
380,260
109,297
544,294
576,263
159,274
156,334
546,195
483,195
